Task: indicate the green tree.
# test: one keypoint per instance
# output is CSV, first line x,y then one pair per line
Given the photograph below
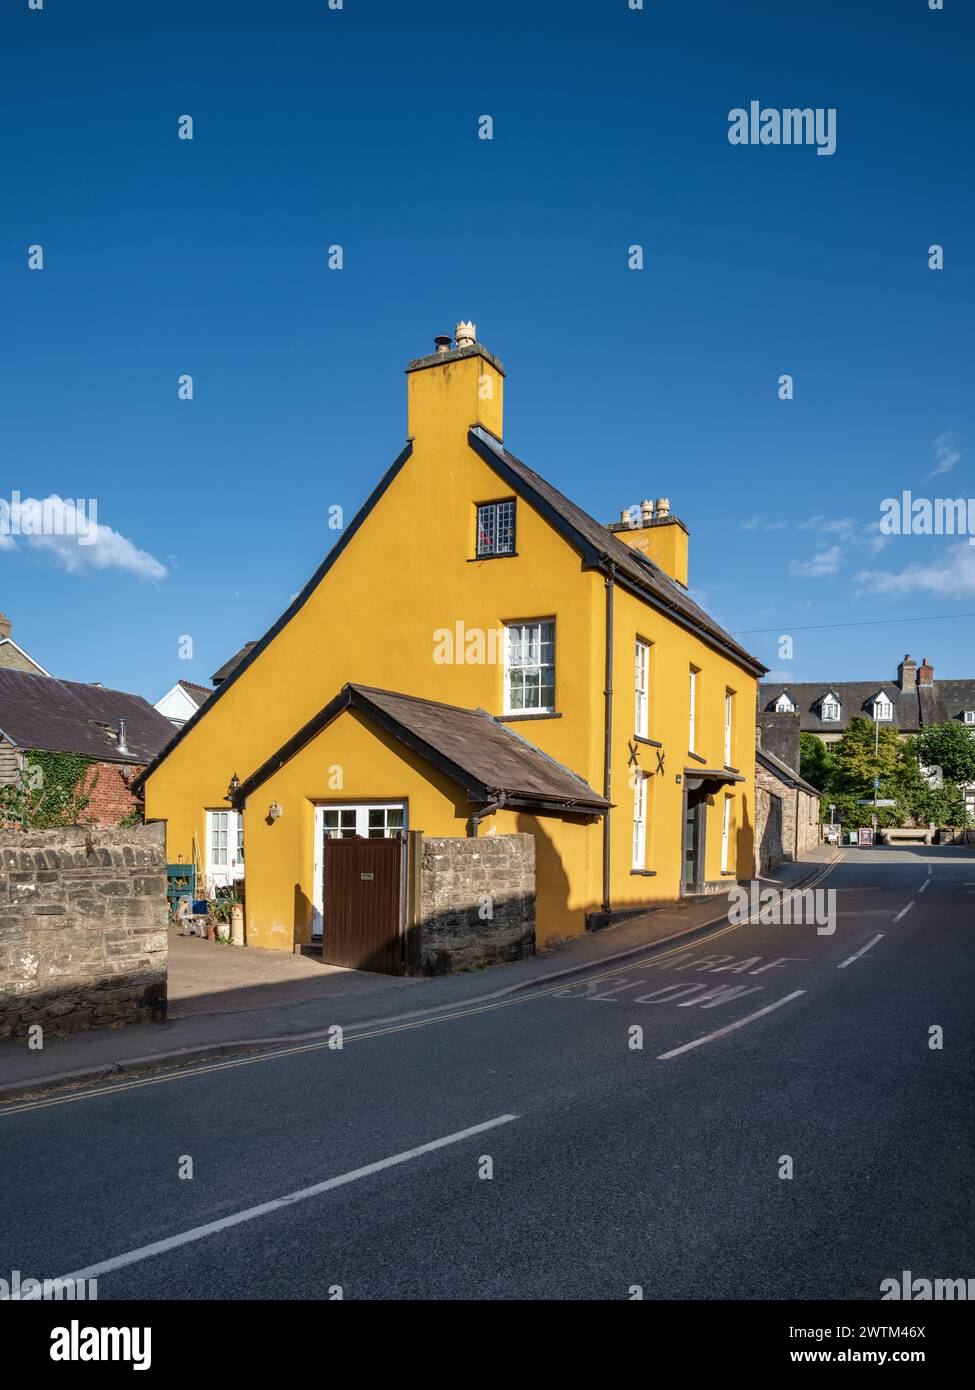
x,y
951,747
815,763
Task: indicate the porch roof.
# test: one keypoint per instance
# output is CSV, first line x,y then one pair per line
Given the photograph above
x,y
480,753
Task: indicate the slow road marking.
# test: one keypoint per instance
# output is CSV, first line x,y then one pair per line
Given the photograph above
x,y
862,951
729,1028
159,1247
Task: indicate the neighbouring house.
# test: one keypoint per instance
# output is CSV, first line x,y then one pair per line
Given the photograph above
x,y
14,658
120,733
787,807
475,657
229,667
912,702
182,702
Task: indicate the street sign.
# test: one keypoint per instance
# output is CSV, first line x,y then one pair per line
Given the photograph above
x,y
865,837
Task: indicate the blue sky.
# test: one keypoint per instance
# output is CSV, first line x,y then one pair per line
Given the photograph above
x,y
359,127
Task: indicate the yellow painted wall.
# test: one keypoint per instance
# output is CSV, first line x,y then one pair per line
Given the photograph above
x,y
405,576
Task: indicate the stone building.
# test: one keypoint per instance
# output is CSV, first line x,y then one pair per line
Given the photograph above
x,y
787,808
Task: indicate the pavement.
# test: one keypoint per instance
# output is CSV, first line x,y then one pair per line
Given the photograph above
x,y
766,1112
223,999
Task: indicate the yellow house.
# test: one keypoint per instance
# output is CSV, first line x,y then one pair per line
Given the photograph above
x,y
476,656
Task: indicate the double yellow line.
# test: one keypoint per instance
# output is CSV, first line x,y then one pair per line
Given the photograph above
x,y
527,997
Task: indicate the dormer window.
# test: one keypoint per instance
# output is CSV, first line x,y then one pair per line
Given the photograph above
x,y
829,709
882,708
495,529
785,704
970,716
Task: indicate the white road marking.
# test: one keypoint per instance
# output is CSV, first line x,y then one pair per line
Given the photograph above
x,y
160,1247
905,910
857,954
925,884
730,1027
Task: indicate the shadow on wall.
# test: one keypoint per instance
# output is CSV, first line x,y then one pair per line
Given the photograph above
x,y
553,915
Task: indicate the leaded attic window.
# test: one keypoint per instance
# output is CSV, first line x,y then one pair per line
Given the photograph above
x,y
496,528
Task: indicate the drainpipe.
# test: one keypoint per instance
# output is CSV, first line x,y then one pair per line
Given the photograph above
x,y
486,810
608,744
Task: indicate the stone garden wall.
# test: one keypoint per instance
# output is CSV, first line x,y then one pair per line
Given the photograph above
x,y
477,901
83,928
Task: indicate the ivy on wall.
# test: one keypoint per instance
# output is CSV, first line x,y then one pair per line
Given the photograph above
x,y
52,790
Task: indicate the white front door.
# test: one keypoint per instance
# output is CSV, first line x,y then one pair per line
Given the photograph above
x,y
378,820
225,848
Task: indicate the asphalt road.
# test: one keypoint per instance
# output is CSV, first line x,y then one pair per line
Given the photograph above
x,y
612,1166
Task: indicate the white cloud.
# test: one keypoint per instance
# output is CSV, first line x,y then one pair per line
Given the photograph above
x,y
953,577
70,533
945,453
825,563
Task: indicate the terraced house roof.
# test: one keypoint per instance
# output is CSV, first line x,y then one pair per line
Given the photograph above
x,y
58,716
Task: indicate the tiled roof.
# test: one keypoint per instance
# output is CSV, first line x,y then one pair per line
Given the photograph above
x,y
58,716
197,693
471,747
229,667
917,707
647,577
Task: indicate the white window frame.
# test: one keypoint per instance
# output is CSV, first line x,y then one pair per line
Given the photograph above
x,y
641,714
540,627
883,709
361,809
691,730
830,703
785,704
729,715
725,833
639,821
222,872
970,716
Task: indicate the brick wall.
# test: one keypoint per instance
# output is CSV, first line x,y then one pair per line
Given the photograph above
x,y
111,800
83,934
461,880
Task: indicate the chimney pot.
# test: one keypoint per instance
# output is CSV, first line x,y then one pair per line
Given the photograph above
x,y
663,506
442,342
646,511
925,673
465,334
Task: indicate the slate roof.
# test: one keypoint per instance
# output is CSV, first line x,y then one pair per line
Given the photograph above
x,y
855,697
471,747
58,716
197,693
649,579
784,772
229,667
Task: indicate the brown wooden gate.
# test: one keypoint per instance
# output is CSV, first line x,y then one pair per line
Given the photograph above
x,y
361,920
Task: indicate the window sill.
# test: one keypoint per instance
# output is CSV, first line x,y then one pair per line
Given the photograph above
x,y
651,742
696,756
644,873
729,768
502,555
729,873
530,714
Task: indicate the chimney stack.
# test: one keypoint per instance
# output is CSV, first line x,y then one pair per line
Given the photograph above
x,y
907,673
457,385
4,626
925,673
656,533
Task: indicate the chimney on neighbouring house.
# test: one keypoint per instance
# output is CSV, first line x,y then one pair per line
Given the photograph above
x,y
925,673
907,673
4,626
123,747
657,534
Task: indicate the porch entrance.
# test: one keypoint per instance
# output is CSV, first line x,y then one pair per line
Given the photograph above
x,y
361,926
